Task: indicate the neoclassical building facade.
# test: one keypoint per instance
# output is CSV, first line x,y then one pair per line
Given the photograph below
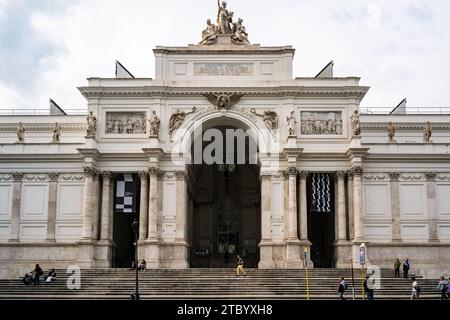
x,y
323,176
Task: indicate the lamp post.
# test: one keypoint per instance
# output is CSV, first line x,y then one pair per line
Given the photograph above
x,y
305,262
135,227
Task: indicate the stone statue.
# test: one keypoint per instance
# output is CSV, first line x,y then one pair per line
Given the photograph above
x,y
177,119
427,132
209,35
355,123
240,35
223,100
92,125
270,119
391,131
224,19
20,133
56,133
155,123
292,121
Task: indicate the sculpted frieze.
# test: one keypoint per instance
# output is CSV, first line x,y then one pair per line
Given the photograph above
x,y
125,123
321,123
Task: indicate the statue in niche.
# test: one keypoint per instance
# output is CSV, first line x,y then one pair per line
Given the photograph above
x,y
155,123
224,18
391,131
427,132
209,35
20,133
292,122
56,133
177,119
270,119
92,125
240,35
356,126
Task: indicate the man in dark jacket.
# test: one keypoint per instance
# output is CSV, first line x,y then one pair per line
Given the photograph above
x,y
37,272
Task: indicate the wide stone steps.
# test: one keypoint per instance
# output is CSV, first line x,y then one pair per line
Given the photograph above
x,y
211,284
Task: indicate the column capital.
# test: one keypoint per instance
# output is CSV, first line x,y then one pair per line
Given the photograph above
x,y
291,171
53,176
430,176
17,176
357,171
106,174
394,176
266,176
155,171
90,172
340,175
303,174
143,175
180,175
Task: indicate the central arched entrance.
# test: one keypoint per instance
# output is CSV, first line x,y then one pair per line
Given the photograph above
x,y
224,202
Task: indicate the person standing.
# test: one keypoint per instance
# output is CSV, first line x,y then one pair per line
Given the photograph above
x,y
415,291
240,266
341,288
442,287
405,268
397,265
37,274
368,288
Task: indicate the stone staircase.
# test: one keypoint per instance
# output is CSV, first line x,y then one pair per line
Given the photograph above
x,y
212,284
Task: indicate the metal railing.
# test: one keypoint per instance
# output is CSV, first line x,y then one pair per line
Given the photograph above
x,y
40,112
409,110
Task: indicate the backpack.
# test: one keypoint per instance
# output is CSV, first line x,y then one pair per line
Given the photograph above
x,y
418,289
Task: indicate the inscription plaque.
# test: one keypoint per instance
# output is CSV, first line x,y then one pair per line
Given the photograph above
x,y
223,69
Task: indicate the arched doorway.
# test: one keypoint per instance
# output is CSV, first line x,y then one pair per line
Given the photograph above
x,y
224,200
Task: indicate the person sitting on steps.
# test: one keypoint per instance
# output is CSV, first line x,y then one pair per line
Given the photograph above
x,y
240,266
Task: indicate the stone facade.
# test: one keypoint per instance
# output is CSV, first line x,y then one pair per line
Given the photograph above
x,y
56,199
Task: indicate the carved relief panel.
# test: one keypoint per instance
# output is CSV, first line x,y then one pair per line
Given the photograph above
x,y
125,123
321,123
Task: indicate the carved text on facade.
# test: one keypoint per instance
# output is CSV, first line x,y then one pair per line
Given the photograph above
x,y
223,69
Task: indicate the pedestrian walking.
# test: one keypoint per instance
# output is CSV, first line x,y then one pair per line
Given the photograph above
x,y
415,290
397,265
341,288
442,287
368,288
405,268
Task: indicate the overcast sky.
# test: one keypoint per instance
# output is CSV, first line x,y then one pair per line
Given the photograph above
x,y
400,48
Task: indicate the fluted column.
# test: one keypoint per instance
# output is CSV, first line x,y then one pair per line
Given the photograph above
x,y
88,210
181,210
432,210
342,230
292,173
143,205
358,225
153,204
351,218
395,205
266,245
105,214
52,199
16,205
303,207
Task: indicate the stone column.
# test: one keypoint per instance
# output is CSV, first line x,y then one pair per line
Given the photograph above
x,y
358,224
16,206
88,208
395,205
293,254
52,199
291,173
351,218
341,221
266,245
432,211
154,173
303,207
180,253
105,215
143,206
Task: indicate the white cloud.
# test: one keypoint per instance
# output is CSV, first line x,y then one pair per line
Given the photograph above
x,y
399,48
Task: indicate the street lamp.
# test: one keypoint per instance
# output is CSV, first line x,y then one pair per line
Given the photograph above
x,y
135,227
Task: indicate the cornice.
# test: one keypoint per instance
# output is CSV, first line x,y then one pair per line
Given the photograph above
x,y
403,126
43,127
277,91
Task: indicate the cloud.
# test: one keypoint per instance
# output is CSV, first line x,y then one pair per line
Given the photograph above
x,y
49,47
